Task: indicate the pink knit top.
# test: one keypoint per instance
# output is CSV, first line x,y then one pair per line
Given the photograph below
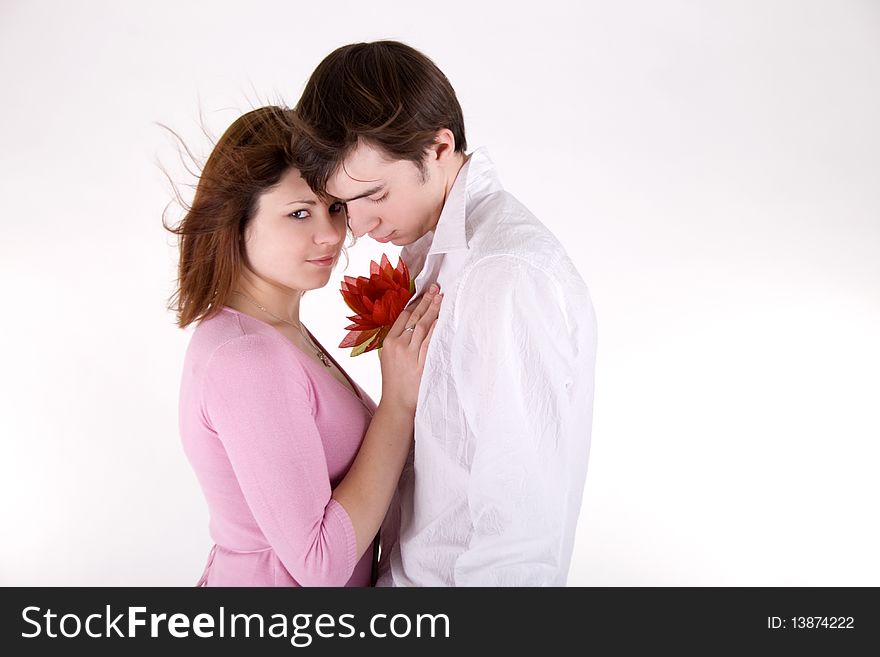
x,y
270,432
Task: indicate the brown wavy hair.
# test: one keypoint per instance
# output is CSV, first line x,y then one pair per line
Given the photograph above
x,y
385,92
250,158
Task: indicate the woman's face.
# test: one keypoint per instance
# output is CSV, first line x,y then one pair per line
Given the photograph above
x,y
294,239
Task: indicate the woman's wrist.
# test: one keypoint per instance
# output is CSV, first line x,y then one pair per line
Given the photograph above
x,y
396,407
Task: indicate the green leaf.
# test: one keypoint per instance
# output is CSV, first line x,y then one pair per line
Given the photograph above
x,y
361,348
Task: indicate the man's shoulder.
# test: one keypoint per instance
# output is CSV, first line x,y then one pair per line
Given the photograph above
x,y
503,229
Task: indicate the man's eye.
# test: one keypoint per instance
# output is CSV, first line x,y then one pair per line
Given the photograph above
x,y
299,214
380,199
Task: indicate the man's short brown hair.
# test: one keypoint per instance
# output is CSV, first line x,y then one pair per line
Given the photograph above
x,y
386,93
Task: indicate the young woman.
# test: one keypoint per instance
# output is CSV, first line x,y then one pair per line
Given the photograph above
x,y
298,465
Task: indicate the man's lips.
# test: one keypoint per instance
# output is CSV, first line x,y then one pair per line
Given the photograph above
x,y
384,239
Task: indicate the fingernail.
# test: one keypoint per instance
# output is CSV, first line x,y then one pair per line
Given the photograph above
x,y
434,287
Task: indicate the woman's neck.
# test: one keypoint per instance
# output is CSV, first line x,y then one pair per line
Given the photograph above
x,y
266,301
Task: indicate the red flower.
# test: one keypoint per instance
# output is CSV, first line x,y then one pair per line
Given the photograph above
x,y
377,302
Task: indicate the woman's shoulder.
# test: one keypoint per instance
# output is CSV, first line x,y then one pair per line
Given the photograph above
x,y
230,339
227,324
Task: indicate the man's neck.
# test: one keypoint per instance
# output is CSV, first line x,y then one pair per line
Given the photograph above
x,y
451,175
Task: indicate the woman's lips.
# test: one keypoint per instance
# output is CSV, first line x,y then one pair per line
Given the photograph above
x,y
324,262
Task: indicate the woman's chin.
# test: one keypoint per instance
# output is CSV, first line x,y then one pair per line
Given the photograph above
x,y
319,280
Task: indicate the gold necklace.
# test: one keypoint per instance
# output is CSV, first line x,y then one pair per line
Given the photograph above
x,y
318,351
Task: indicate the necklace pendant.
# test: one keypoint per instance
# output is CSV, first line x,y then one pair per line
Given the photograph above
x,y
323,358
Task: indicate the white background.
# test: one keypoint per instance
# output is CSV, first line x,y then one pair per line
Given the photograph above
x,y
712,167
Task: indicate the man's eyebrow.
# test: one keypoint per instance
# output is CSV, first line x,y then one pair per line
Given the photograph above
x,y
307,202
373,190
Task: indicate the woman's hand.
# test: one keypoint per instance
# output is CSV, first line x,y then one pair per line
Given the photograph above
x,y
404,350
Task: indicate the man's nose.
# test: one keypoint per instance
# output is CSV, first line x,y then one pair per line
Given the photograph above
x,y
361,225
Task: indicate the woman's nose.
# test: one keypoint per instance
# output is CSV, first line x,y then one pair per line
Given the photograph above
x,y
332,231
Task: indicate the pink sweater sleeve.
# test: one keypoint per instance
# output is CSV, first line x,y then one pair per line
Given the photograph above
x,y
388,535
257,401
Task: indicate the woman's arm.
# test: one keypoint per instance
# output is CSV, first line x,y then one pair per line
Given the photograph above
x,y
262,414
368,487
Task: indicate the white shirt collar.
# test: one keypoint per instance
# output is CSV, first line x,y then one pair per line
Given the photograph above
x,y
476,178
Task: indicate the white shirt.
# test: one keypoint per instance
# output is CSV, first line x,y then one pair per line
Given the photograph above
x,y
493,488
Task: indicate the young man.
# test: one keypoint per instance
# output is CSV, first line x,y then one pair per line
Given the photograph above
x,y
502,430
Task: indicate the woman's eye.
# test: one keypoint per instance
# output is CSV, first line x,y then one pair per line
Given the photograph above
x,y
380,199
299,214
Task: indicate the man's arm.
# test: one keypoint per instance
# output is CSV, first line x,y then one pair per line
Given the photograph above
x,y
513,362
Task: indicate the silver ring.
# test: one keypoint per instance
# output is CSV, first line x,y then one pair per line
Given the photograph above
x,y
409,328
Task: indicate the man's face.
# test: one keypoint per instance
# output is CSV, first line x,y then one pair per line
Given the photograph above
x,y
391,200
